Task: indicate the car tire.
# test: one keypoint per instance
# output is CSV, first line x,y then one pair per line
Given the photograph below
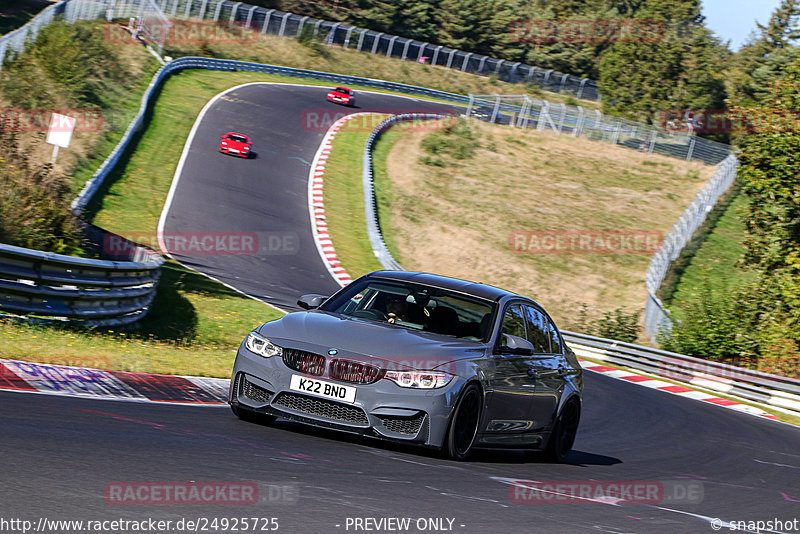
x,y
252,417
564,431
464,423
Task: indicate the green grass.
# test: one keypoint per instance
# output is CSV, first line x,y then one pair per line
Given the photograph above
x,y
712,260
344,197
384,193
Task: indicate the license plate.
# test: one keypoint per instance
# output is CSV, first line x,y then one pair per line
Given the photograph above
x,y
321,388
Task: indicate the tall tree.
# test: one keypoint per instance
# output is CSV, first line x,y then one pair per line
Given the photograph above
x,y
679,70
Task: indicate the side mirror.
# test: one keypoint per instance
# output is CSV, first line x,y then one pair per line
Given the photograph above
x,y
311,301
516,345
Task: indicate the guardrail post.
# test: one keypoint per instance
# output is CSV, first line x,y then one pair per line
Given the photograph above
x,y
513,72
332,34
580,89
481,63
563,83
316,29
249,20
203,8
499,64
421,53
188,12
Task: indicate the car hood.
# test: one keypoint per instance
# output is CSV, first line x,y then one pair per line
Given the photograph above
x,y
392,346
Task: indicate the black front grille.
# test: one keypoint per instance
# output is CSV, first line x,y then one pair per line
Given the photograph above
x,y
305,362
254,392
355,372
403,425
322,408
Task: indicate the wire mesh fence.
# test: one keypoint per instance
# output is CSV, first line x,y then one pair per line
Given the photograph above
x,y
274,22
525,112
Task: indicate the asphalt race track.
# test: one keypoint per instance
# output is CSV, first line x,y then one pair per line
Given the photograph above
x,y
61,455
265,197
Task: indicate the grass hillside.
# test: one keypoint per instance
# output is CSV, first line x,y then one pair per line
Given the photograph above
x,y
454,201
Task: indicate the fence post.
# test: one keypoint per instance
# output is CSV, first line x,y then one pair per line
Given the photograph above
x,y
469,104
375,44
466,60
421,51
234,11
563,117
316,29
203,8
450,59
405,50
435,55
653,139
391,46
495,109
499,63
563,83
347,37
266,21
332,34
615,137
283,24
188,12
579,127
249,20
219,8
580,89
481,64
691,148
300,26
512,75
361,39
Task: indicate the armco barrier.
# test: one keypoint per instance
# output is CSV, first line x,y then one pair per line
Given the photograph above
x,y
370,205
778,391
88,291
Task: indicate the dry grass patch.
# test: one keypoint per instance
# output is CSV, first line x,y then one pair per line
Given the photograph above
x,y
454,216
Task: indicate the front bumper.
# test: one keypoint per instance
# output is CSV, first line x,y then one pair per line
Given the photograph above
x,y
382,409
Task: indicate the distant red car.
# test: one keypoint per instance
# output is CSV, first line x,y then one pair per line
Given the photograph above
x,y
342,95
236,144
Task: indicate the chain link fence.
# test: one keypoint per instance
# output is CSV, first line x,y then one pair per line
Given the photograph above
x,y
274,22
525,112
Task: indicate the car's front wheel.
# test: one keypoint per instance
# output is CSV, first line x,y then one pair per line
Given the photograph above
x,y
252,417
464,423
564,432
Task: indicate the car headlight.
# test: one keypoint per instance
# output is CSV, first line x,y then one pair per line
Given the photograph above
x,y
262,346
419,379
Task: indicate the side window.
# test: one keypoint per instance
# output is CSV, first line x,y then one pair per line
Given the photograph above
x,y
555,339
537,330
514,322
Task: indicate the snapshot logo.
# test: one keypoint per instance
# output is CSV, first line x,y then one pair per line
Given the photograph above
x,y
39,120
549,31
320,120
585,242
205,243
177,493
606,491
187,32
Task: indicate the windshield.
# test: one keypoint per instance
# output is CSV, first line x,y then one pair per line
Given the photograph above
x,y
237,138
343,90
416,306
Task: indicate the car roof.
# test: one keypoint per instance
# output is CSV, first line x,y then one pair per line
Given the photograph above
x,y
340,88
234,133
445,282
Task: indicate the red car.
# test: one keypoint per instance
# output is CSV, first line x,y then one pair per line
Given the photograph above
x,y
342,95
236,144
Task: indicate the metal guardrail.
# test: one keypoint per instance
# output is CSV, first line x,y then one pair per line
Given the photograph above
x,y
774,390
90,292
370,205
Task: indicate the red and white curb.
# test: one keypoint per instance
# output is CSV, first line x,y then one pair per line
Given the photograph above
x,y
115,385
316,203
674,389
